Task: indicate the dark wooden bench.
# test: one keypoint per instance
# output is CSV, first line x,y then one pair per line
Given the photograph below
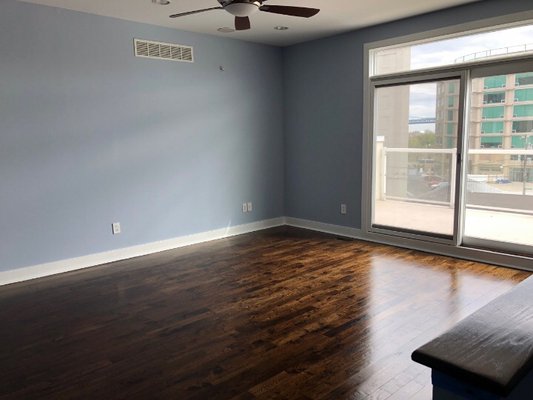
x,y
489,354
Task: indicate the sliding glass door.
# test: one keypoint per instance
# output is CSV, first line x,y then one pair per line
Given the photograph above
x,y
449,143
416,132
422,186
498,210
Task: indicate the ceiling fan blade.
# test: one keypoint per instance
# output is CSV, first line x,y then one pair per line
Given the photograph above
x,y
242,23
195,12
294,11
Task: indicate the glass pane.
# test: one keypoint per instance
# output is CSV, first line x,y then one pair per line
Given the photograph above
x,y
492,112
522,126
524,79
500,43
522,141
415,138
493,82
523,111
499,186
494,97
492,127
523,95
491,141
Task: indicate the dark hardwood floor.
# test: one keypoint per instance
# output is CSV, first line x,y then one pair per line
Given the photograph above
x,y
278,314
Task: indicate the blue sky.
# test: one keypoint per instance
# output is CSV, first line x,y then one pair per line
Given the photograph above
x,y
445,52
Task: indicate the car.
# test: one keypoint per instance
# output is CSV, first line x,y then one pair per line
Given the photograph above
x,y
503,180
433,181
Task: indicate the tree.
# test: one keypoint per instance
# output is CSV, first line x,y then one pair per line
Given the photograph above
x,y
424,140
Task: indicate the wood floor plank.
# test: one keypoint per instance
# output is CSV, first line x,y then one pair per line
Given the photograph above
x,y
278,314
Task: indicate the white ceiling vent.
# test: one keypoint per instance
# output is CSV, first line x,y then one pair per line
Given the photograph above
x,y
163,51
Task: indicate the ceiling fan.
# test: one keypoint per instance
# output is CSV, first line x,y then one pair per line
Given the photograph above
x,y
242,9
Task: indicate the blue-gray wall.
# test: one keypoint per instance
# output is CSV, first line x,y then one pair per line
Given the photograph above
x,y
324,108
90,135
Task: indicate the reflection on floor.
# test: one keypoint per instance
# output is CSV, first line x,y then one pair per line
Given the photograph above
x,y
278,314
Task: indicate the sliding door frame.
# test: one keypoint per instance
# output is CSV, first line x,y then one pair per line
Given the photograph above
x,y
410,79
457,248
510,67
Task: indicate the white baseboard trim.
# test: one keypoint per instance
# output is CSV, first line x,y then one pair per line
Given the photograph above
x,y
72,264
61,266
324,227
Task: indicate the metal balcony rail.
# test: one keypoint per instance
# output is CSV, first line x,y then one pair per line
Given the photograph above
x,y
523,48
452,153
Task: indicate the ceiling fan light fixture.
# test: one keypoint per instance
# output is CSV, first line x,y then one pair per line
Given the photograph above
x,y
242,9
281,28
161,2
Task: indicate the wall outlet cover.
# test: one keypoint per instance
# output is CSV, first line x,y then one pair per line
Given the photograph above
x,y
115,226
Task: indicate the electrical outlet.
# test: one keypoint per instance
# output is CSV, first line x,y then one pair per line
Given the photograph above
x,y
116,228
244,207
343,209
250,206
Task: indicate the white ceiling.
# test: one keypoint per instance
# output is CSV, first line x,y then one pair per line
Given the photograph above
x,y
336,16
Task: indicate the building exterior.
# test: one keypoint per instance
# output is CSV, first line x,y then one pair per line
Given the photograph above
x,y
501,118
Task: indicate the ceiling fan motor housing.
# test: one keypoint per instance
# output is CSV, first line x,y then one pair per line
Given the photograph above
x,y
243,8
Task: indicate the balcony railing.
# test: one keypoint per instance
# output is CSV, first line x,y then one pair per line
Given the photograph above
x,y
473,180
501,52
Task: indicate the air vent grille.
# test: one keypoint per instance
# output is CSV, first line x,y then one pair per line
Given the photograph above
x,y
163,51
